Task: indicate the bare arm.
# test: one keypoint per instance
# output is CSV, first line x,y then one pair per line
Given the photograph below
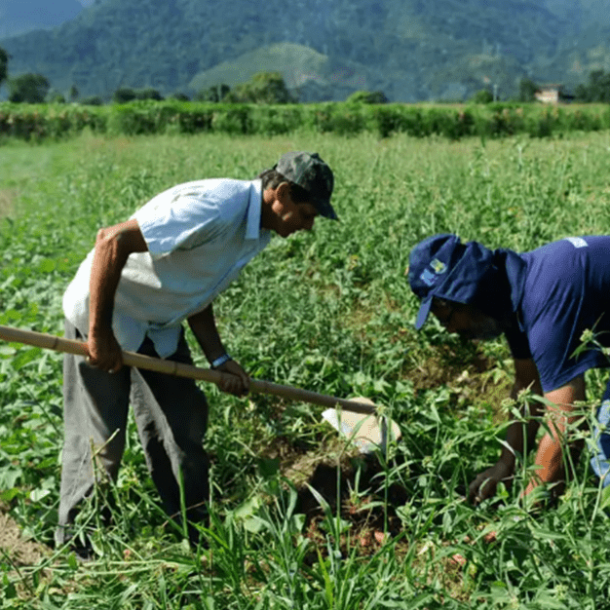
x,y
559,415
112,249
203,325
519,437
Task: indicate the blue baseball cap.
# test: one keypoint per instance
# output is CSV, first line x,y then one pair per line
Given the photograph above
x,y
442,266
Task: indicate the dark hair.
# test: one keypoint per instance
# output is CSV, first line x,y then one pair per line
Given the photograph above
x,y
272,179
438,301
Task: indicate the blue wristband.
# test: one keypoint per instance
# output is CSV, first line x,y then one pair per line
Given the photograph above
x,y
220,361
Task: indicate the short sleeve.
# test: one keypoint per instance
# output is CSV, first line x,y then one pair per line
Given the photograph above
x,y
182,222
556,329
564,294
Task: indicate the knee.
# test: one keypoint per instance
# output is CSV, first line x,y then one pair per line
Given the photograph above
x,y
108,455
194,430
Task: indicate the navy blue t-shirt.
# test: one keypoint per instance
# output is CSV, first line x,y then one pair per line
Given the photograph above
x,y
565,291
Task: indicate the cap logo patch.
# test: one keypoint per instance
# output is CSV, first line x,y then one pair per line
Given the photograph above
x,y
428,278
438,266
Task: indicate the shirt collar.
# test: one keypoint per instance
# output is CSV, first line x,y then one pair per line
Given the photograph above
x,y
253,222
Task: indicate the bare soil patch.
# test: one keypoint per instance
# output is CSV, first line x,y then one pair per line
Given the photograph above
x,y
473,380
19,550
447,366
335,478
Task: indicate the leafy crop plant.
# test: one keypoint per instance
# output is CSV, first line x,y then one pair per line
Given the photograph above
x,y
297,521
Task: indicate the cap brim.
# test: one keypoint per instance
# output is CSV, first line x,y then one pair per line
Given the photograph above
x,y
423,313
325,209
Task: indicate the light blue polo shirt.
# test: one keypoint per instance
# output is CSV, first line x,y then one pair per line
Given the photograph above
x,y
199,235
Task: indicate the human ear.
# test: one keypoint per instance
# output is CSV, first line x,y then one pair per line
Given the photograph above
x,y
282,191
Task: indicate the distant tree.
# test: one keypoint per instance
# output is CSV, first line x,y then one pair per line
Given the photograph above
x,y
126,94
55,97
263,88
3,65
94,100
216,93
599,86
367,97
581,93
73,94
28,88
484,96
596,90
527,90
123,95
148,94
180,96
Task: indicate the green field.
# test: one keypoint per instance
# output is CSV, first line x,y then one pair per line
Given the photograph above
x,y
298,520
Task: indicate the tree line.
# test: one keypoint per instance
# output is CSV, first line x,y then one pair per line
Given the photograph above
x,y
262,88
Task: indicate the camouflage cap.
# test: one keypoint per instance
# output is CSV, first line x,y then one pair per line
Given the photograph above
x,y
308,171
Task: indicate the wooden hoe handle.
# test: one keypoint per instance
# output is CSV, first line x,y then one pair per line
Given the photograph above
x,y
169,367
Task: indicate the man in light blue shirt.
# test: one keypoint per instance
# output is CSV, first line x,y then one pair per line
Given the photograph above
x,y
143,279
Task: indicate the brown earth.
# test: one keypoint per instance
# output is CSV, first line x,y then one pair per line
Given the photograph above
x,y
336,480
474,380
333,472
446,366
15,548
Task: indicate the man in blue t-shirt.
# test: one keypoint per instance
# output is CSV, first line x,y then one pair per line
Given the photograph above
x,y
543,301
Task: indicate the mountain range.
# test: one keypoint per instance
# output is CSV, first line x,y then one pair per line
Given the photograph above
x,y
18,17
412,50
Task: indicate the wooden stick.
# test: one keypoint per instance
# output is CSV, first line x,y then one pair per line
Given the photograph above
x,y
169,367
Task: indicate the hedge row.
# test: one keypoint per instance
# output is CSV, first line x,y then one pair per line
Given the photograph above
x,y
39,122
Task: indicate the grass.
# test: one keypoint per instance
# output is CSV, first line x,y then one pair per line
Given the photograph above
x,y
330,312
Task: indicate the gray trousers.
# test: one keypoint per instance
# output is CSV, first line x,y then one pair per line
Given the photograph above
x,y
171,417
